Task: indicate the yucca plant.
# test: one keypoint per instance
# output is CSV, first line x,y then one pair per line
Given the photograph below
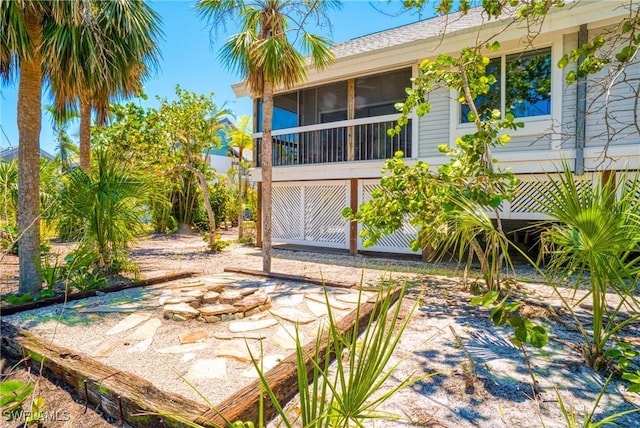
x,y
594,236
350,392
110,203
467,228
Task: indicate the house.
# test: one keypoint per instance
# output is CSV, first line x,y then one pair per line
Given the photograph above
x,y
9,153
330,138
224,157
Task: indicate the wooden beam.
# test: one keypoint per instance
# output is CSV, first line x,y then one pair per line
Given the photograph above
x,y
353,226
297,278
124,396
12,309
283,379
259,217
351,114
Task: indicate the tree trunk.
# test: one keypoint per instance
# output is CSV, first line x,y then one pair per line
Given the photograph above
x,y
29,118
207,204
85,134
266,160
240,195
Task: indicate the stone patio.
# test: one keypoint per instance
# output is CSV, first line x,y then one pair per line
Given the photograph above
x,y
194,330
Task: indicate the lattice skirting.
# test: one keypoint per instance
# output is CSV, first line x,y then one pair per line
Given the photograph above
x,y
309,213
397,242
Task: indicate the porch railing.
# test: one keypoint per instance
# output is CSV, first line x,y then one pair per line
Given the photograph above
x,y
330,143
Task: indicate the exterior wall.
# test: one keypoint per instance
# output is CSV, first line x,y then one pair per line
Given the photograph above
x,y
569,98
609,87
220,163
434,127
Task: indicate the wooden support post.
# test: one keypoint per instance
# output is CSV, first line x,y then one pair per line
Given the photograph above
x,y
259,217
351,114
353,226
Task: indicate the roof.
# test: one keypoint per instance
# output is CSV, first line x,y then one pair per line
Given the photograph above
x,y
425,29
10,153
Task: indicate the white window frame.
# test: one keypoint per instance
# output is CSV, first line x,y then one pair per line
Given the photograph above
x,y
534,125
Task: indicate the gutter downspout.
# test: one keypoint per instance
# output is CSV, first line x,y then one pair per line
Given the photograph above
x,y
581,106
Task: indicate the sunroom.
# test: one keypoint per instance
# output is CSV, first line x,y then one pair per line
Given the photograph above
x,y
343,121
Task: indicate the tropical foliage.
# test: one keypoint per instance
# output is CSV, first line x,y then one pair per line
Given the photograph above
x,y
109,203
595,238
241,139
53,40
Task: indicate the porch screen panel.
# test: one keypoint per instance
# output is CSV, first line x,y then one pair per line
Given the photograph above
x,y
287,212
323,205
397,242
323,104
377,95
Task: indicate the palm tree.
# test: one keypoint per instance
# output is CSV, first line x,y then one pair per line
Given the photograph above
x,y
27,40
22,26
264,53
241,139
91,64
109,202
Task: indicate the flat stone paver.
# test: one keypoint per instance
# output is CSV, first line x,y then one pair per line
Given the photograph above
x,y
285,337
335,304
105,349
214,368
129,322
142,346
179,311
146,330
294,315
240,326
267,363
293,299
193,336
353,297
318,309
181,349
235,350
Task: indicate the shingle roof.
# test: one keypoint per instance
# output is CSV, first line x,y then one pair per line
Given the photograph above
x,y
428,28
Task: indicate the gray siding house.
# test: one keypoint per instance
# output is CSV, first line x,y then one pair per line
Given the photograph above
x,y
330,139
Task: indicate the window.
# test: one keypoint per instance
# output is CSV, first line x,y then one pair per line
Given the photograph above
x,y
377,95
525,79
285,112
322,104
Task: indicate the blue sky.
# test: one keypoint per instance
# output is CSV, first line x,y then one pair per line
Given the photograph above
x,y
189,58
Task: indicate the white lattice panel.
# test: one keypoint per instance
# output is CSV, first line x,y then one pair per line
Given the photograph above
x,y
323,205
309,213
629,183
287,213
397,242
532,187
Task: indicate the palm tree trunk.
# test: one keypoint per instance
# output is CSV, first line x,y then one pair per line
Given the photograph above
x,y
29,121
240,195
267,115
85,134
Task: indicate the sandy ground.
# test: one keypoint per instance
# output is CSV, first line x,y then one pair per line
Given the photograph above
x,y
500,396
